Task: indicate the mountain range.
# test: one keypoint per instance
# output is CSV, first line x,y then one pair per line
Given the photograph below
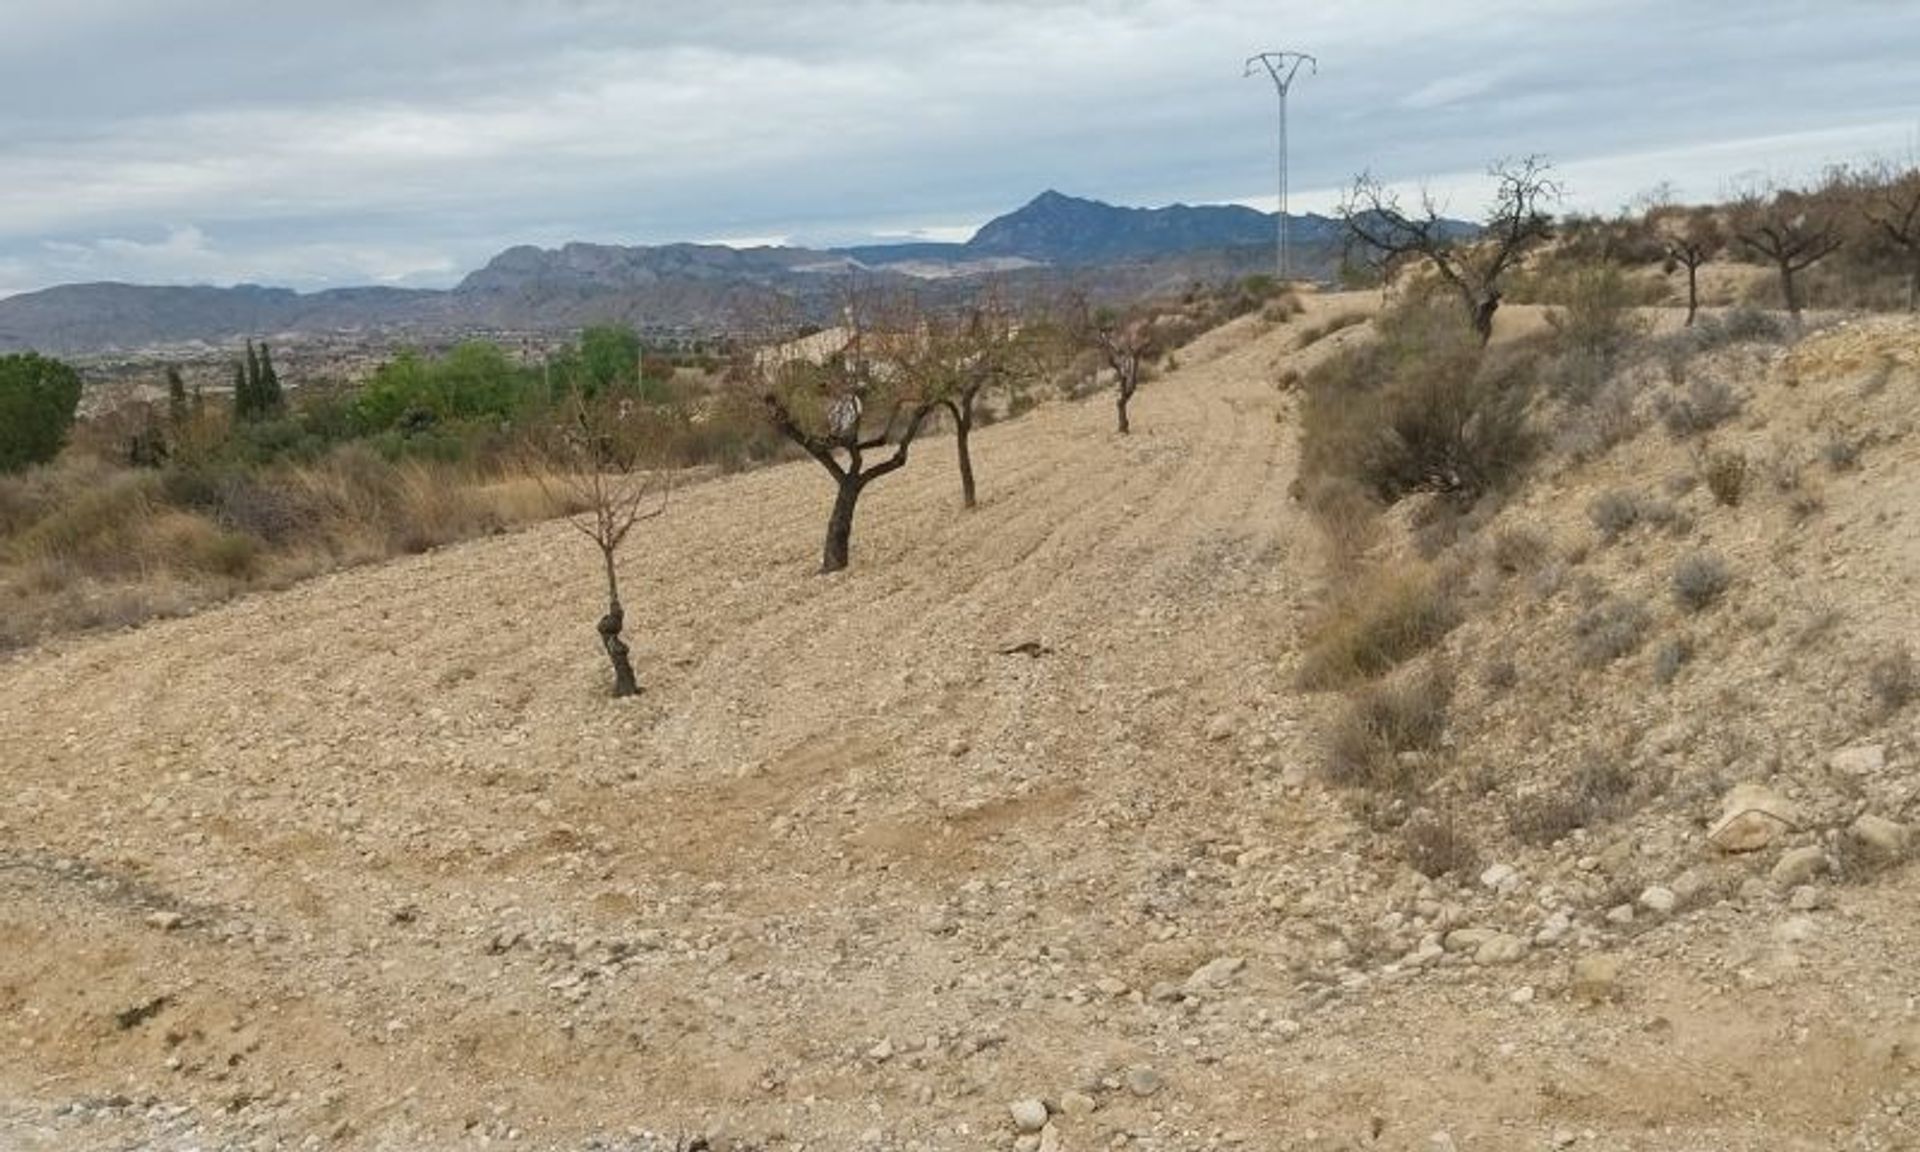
x,y
691,287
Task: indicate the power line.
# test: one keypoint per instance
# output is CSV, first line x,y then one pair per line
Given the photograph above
x,y
1281,66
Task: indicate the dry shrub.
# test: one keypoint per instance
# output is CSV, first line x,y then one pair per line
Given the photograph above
x,y
1610,629
1599,790
1387,617
1320,330
1726,476
90,528
1614,513
1608,419
1422,409
1706,404
1670,658
1596,316
1699,580
1439,845
1383,726
1892,680
1841,454
1516,550
1348,516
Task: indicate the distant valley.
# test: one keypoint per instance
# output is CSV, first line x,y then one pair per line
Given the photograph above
x,y
680,288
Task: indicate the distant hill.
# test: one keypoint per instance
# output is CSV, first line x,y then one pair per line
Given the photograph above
x,y
1057,229
684,286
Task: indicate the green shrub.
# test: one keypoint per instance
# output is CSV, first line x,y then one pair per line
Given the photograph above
x,y
38,399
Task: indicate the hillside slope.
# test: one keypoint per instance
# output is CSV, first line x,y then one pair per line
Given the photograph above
x,y
371,863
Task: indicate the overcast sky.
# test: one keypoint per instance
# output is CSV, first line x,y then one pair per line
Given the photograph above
x,y
405,141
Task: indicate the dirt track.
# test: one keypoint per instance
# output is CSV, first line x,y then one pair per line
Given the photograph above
x,y
389,872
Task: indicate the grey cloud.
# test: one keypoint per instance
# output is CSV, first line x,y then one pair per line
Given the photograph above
x,y
319,144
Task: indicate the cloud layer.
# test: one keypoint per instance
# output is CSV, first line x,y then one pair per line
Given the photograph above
x,y
214,141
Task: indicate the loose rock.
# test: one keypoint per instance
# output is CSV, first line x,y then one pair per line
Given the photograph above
x,y
1861,760
1596,978
1028,1115
1501,949
1214,973
1882,840
1798,866
1751,817
1143,1081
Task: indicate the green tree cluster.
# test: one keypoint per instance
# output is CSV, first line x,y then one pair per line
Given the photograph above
x,y
38,399
256,386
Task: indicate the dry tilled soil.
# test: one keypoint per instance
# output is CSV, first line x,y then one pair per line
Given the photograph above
x,y
372,863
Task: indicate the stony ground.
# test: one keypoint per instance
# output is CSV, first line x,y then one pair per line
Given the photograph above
x,y
371,863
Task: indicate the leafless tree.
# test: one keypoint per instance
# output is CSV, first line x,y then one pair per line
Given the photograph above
x,y
1792,229
1470,265
1890,201
1127,344
593,458
973,355
1691,237
842,396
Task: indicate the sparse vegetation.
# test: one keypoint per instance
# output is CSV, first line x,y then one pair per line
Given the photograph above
x,y
1385,726
1699,580
1672,656
1311,334
1841,453
1613,628
1726,474
1599,790
1706,405
1892,679
1614,513
1389,617
1422,409
1439,845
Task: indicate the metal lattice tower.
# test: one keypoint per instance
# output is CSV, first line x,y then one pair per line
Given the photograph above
x,y
1281,66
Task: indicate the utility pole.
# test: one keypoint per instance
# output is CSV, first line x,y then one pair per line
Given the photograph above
x,y
1281,66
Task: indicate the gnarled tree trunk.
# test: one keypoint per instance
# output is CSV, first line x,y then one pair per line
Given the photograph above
x,y
609,627
839,544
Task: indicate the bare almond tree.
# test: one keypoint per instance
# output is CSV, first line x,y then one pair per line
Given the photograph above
x,y
1471,265
1690,237
1128,345
842,396
1791,229
592,460
1890,200
970,357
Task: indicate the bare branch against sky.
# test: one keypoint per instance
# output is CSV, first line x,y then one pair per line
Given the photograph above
x,y
215,141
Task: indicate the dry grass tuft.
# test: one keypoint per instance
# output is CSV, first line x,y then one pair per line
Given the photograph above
x,y
1387,617
1726,476
1379,739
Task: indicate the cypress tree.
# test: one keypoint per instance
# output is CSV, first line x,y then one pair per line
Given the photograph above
x,y
242,392
176,400
268,389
